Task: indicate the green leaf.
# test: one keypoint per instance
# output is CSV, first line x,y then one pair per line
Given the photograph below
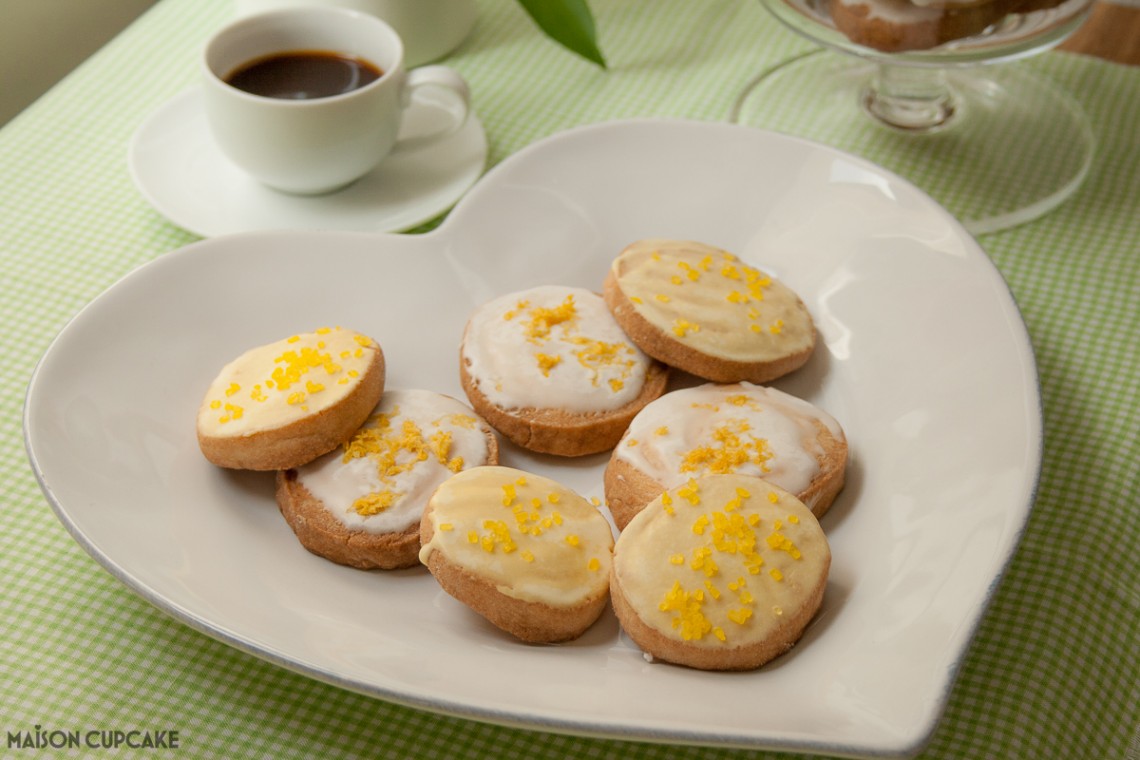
x,y
569,23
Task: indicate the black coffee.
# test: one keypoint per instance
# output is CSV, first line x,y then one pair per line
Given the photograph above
x,y
304,75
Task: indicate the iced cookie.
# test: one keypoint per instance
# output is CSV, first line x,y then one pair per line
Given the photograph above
x,y
286,403
361,504
702,310
723,573
550,369
526,553
742,429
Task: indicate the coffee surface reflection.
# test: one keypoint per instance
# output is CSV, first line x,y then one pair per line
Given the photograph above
x,y
304,75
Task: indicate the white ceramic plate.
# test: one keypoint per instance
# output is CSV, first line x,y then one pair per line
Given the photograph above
x,y
924,359
181,172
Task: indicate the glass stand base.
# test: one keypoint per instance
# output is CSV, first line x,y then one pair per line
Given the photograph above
x,y
1014,147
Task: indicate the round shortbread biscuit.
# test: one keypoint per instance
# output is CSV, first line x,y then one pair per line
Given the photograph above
x,y
552,371
896,26
741,429
525,552
286,403
702,310
361,504
723,573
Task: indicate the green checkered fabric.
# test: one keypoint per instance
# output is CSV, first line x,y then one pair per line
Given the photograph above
x,y
1054,671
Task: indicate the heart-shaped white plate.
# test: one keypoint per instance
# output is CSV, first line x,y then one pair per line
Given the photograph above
x,y
923,358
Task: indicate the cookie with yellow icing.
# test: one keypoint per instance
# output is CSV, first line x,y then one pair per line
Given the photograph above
x,y
552,371
702,310
737,428
361,504
525,552
723,573
286,403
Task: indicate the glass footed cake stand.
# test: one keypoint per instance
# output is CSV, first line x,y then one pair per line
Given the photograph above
x,y
991,140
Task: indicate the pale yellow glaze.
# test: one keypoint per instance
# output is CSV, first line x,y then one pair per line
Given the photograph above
x,y
276,384
720,561
533,538
710,300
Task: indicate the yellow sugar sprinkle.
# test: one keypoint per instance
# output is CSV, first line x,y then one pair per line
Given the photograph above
x,y
736,297
782,543
556,517
776,327
729,271
521,481
293,338
719,633
682,327
688,617
794,519
374,503
776,574
553,497
446,526
508,495
656,255
703,561
616,384
755,328
595,501
677,279
573,540
631,442
543,319
472,537
754,519
732,447
593,565
753,314
296,397
773,497
714,592
663,298
547,362
215,404
701,523
690,492
362,340
677,559
312,387
232,389
232,412
663,430
257,394
777,524
636,299
536,502
323,330
666,499
527,555
740,615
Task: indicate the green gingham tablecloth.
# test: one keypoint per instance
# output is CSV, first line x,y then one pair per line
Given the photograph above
x,y
1054,670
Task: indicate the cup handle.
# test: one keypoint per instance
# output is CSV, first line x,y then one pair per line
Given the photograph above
x,y
445,90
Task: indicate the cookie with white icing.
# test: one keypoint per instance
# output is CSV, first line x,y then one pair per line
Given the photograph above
x,y
361,504
525,552
723,573
895,26
286,403
738,428
552,371
700,309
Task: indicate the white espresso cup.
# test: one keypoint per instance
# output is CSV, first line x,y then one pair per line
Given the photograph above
x,y
317,145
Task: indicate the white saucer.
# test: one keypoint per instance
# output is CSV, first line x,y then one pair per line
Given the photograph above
x,y
181,172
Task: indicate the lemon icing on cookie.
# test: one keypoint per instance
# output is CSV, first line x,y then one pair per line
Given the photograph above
x,y
273,385
552,347
381,479
721,560
741,428
709,299
535,539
